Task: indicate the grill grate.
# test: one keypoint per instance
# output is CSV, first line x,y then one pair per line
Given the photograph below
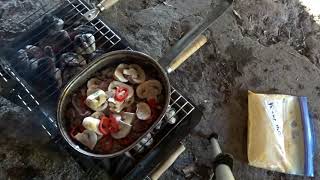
x,y
24,90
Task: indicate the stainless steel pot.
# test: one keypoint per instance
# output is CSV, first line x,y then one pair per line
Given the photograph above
x,y
189,44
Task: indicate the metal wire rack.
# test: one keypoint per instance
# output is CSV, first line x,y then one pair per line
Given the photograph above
x,y
23,89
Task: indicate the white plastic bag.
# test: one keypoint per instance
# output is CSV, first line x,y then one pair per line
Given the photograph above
x,y
280,134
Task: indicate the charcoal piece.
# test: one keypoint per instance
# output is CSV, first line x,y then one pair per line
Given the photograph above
x,y
94,55
60,42
54,24
71,59
22,57
22,62
33,65
69,73
58,77
85,43
46,67
34,52
49,51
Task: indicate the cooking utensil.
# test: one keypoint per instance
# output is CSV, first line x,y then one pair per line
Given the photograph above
x,y
178,55
110,60
156,174
104,4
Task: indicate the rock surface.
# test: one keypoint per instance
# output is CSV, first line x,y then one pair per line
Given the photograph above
x,y
265,46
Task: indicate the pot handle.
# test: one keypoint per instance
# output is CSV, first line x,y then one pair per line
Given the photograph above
x,y
156,173
106,4
191,49
194,34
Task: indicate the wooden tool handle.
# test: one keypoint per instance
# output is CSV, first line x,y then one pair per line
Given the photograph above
x,y
193,47
106,4
167,163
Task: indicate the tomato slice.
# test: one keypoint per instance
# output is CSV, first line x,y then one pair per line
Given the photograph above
x,y
114,125
104,125
121,94
108,125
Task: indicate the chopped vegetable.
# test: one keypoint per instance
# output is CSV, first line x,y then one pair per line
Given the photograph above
x,y
114,125
103,125
121,94
115,108
108,125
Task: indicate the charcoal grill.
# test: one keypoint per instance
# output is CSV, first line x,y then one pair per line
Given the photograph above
x,y
24,90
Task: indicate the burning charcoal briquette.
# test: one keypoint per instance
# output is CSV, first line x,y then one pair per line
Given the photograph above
x,y
85,43
72,59
58,77
60,42
22,55
54,24
47,64
69,73
94,55
22,61
34,52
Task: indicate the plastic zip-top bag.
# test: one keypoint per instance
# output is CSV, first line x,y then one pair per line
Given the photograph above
x,y
280,134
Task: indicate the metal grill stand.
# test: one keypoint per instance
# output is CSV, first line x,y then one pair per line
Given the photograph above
x,y
181,117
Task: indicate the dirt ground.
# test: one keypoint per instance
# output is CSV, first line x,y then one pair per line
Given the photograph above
x,y
268,46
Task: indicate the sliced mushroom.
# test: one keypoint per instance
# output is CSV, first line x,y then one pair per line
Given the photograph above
x,y
118,73
87,138
92,124
143,111
93,82
128,117
114,84
93,86
130,72
117,107
97,101
123,132
135,73
149,89
91,90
